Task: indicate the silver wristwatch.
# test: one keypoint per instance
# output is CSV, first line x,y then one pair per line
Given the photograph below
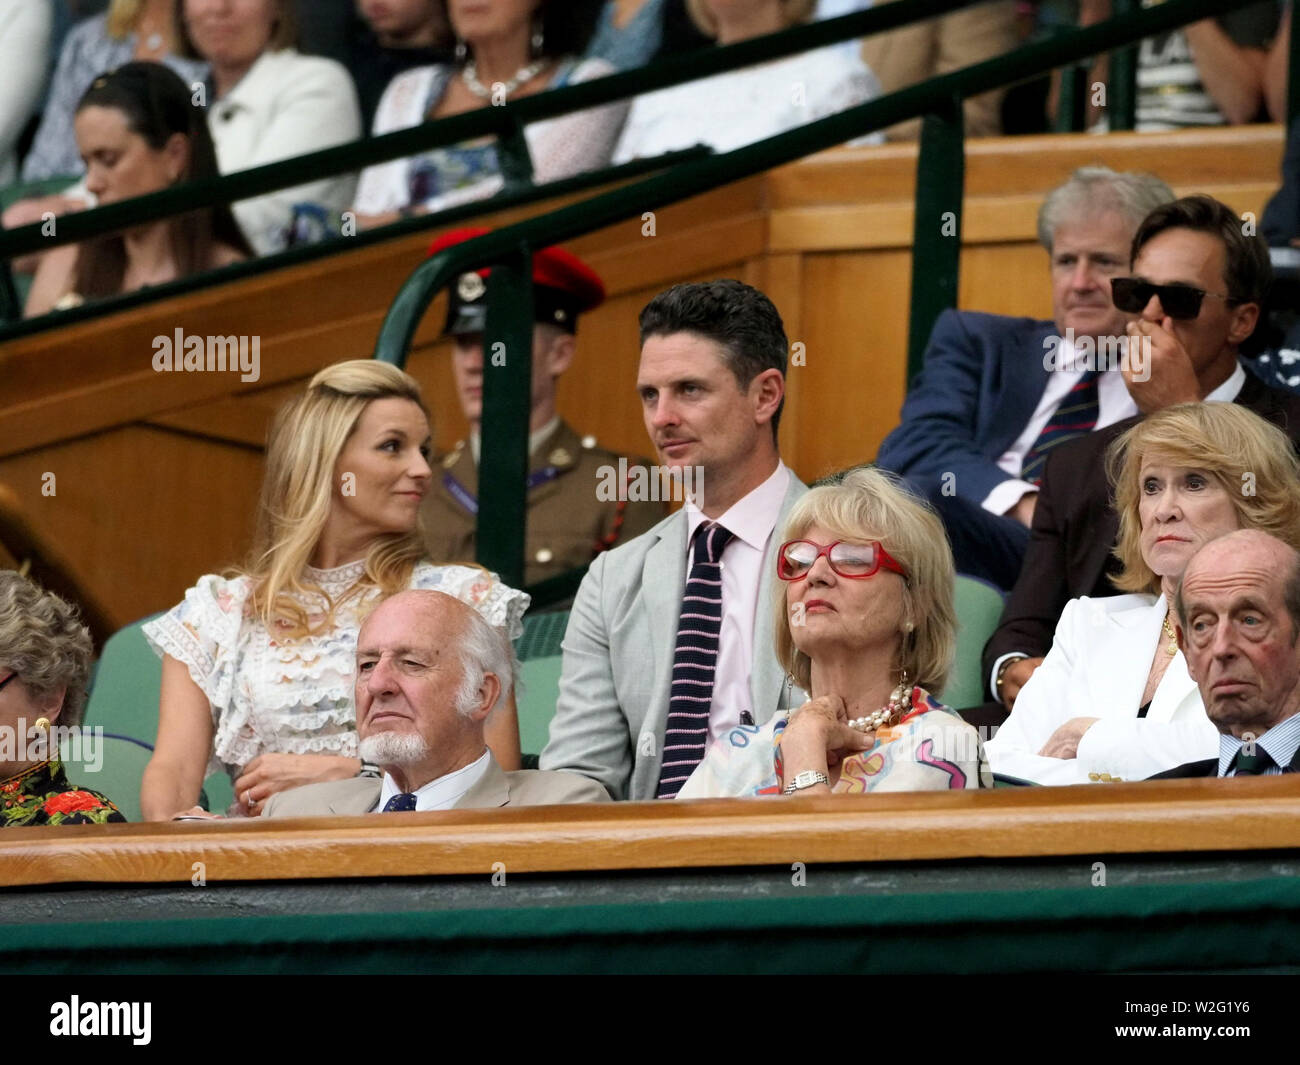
x,y
806,779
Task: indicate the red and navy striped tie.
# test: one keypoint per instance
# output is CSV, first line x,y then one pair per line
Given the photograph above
x,y
1076,415
695,660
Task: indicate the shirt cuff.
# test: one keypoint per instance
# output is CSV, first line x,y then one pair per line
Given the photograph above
x,y
1006,495
993,676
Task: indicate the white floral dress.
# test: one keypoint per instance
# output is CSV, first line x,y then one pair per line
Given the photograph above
x,y
295,696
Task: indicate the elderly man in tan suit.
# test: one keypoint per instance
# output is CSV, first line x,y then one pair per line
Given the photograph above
x,y
429,671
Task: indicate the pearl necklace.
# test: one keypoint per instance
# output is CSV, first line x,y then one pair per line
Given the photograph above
x,y
898,700
484,92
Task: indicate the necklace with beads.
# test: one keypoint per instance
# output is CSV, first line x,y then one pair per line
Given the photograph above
x,y
484,92
1172,649
888,714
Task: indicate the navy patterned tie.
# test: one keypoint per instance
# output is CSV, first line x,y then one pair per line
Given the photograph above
x,y
1076,415
695,660
402,803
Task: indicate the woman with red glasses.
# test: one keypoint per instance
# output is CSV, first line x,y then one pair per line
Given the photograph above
x,y
865,624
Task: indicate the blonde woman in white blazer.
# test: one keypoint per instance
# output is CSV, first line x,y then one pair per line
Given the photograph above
x,y
1113,699
267,103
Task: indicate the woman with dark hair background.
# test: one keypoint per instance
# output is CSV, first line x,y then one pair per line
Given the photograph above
x,y
138,133
505,49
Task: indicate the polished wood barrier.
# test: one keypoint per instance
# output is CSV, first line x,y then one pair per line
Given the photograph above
x,y
1153,817
157,474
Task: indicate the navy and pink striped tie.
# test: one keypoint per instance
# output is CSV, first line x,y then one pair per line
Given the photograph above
x,y
1076,415
695,660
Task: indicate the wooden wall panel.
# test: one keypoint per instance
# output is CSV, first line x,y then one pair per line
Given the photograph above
x,y
139,512
855,321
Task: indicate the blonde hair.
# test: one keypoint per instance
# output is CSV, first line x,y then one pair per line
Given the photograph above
x,y
122,18
307,436
43,641
867,503
1251,459
792,13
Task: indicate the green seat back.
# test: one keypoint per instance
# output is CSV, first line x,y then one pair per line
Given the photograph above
x,y
124,702
112,766
979,608
124,698
540,658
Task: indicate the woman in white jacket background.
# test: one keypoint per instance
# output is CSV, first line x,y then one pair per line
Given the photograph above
x,y
1113,699
269,103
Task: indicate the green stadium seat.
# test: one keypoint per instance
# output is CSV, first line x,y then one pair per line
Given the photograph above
x,y
979,607
540,658
124,697
113,769
124,703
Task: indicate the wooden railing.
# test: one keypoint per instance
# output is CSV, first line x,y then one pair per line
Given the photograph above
x,y
1154,817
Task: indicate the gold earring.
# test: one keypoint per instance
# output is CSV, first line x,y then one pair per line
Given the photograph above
x,y
43,724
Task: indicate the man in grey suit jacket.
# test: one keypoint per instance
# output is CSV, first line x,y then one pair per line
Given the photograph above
x,y
712,383
429,671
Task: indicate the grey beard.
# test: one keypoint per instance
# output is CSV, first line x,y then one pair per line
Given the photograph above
x,y
393,748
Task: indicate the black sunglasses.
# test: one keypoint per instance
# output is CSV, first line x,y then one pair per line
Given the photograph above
x,y
1132,294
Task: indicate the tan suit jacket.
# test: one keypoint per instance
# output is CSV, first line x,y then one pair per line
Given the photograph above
x,y
358,795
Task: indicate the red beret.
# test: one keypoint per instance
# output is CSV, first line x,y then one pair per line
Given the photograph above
x,y
565,285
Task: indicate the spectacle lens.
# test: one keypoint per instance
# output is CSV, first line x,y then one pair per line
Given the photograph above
x,y
798,557
1132,294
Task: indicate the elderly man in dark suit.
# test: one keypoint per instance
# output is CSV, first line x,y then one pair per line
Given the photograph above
x,y
997,394
1238,610
1194,245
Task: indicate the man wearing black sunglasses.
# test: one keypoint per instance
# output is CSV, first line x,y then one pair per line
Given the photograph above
x,y
1195,289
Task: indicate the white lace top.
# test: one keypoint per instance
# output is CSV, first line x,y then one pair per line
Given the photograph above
x,y
295,696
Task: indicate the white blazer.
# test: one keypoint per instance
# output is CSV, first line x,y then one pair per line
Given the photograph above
x,y
286,105
1098,665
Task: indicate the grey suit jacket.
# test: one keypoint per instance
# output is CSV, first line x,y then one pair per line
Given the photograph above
x,y
358,795
618,658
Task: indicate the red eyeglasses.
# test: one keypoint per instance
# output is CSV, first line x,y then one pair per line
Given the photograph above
x,y
7,680
855,561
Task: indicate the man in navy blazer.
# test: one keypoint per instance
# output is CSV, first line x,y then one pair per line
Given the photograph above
x,y
972,435
1238,625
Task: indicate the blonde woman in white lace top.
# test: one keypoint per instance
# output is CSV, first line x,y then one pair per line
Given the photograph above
x,y
258,666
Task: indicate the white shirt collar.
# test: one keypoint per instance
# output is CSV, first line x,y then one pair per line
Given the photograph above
x,y
442,793
752,517
1227,392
